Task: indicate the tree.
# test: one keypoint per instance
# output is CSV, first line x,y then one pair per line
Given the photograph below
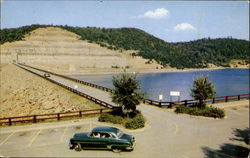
x,y
126,93
202,89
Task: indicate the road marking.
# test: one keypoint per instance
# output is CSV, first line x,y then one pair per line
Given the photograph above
x,y
176,129
34,138
5,140
63,133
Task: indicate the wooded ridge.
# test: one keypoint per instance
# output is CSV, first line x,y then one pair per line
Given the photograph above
x,y
192,54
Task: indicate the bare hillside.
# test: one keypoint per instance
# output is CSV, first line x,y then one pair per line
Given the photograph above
x,y
21,95
62,51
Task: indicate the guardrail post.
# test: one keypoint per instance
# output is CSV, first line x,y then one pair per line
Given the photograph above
x,y
10,121
185,102
58,116
170,105
238,97
213,101
160,104
34,118
226,99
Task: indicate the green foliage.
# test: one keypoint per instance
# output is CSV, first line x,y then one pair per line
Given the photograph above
x,y
115,67
207,111
17,34
135,122
192,54
202,89
126,93
115,119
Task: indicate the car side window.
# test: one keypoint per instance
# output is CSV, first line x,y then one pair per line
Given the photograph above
x,y
105,135
95,135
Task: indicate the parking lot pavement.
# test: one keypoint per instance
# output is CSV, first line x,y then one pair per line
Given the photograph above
x,y
165,135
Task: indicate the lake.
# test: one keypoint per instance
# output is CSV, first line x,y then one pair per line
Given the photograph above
x,y
226,81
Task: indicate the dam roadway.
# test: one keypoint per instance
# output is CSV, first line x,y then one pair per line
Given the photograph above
x,y
96,93
166,134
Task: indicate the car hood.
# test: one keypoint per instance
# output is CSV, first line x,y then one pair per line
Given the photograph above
x,y
127,137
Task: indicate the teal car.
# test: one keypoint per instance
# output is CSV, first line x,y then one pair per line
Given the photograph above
x,y
103,138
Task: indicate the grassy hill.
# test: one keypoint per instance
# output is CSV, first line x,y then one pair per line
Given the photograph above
x,y
193,54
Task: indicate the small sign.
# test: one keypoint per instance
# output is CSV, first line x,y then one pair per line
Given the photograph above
x,y
75,86
160,97
175,93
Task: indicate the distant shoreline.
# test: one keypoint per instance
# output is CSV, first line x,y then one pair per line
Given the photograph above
x,y
141,71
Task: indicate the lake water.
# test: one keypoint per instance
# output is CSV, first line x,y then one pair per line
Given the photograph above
x,y
226,81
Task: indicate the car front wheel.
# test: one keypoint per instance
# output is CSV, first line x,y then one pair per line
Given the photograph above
x,y
78,147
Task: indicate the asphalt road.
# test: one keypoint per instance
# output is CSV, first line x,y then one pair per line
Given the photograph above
x,y
165,135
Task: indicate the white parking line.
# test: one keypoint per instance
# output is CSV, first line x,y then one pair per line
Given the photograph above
x,y
63,133
6,138
34,138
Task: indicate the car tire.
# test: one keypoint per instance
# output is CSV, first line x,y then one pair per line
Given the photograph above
x,y
78,147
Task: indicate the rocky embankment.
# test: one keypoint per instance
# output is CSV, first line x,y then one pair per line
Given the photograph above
x,y
23,93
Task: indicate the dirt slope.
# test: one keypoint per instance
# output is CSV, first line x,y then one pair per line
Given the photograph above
x,y
23,93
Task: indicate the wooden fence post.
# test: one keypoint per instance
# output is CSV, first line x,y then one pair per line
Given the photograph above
x,y
160,104
34,118
58,116
170,105
238,97
80,113
101,111
185,102
213,101
10,121
226,99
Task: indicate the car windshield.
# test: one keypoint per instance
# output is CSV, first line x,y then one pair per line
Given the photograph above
x,y
119,133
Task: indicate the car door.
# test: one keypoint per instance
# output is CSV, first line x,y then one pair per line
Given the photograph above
x,y
96,141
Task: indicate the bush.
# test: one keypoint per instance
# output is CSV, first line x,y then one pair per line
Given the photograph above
x,y
111,118
207,111
134,122
137,122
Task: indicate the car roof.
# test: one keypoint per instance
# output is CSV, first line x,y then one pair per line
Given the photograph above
x,y
106,129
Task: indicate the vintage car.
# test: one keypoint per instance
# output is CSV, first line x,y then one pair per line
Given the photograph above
x,y
46,75
103,138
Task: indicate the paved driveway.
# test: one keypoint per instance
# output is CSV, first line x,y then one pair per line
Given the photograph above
x,y
166,135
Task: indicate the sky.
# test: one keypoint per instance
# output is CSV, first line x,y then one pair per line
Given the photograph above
x,y
172,21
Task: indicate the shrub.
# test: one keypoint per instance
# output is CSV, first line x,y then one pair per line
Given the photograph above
x,y
133,122
110,118
206,111
137,122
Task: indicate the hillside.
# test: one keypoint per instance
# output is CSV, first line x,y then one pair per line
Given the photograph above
x,y
54,47
126,41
